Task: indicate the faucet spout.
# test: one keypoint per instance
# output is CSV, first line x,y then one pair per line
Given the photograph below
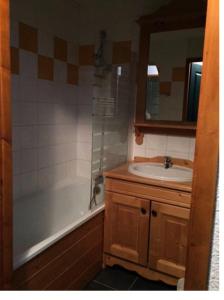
x,y
167,162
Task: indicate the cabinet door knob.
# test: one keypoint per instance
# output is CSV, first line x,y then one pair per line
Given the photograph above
x,y
143,211
154,213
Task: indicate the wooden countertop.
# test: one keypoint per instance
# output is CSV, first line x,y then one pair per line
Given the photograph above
x,y
122,173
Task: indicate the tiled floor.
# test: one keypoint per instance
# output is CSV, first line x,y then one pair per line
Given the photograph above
x,y
119,279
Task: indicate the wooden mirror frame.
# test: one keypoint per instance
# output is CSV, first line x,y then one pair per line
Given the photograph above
x,y
177,15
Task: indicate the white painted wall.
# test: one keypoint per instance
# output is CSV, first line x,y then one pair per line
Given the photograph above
x,y
214,264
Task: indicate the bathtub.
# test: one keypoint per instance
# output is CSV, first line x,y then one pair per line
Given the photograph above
x,y
42,219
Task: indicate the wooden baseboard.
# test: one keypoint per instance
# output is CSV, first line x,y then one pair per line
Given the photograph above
x,y
109,260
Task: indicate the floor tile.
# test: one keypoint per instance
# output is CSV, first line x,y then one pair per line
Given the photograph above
x,y
95,286
142,284
116,277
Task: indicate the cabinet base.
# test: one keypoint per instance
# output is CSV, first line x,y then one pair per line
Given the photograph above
x,y
109,260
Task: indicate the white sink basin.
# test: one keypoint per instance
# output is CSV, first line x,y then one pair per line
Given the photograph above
x,y
157,171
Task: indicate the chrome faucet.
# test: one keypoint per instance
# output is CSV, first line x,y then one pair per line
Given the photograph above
x,y
167,162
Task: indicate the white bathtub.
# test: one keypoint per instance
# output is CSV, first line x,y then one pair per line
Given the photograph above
x,y
43,218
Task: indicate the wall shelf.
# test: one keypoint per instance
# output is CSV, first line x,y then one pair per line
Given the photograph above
x,y
166,127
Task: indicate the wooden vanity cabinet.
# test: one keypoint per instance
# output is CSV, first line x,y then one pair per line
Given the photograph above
x,y
127,227
168,238
146,233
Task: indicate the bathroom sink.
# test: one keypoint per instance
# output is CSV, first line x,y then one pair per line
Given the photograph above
x,y
158,171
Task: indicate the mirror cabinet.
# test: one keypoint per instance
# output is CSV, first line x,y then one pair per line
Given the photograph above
x,y
170,68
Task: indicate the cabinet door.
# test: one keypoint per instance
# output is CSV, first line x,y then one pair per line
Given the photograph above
x,y
168,238
127,227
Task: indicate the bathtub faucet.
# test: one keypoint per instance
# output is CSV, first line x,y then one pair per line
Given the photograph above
x,y
96,190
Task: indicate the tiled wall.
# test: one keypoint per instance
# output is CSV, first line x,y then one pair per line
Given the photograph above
x,y
45,107
52,90
84,120
44,52
160,145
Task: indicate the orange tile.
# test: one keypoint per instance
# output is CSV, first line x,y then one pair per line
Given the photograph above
x,y
60,49
178,74
121,52
86,55
14,60
28,38
165,88
72,74
45,68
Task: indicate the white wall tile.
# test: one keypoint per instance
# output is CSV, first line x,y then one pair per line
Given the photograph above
x,y
153,152
46,113
46,135
84,133
64,134
16,140
46,157
184,155
15,88
28,89
60,71
84,115
28,183
156,142
16,162
45,178
17,187
28,64
139,150
84,168
52,176
60,173
86,75
45,44
178,144
28,113
192,144
72,169
65,114
85,95
24,113
161,145
84,151
70,94
28,159
58,92
53,155
191,156
45,91
73,53
28,137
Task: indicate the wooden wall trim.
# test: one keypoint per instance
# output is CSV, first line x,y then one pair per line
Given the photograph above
x,y
206,159
5,151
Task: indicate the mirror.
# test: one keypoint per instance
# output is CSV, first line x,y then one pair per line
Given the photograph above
x,y
174,75
169,69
